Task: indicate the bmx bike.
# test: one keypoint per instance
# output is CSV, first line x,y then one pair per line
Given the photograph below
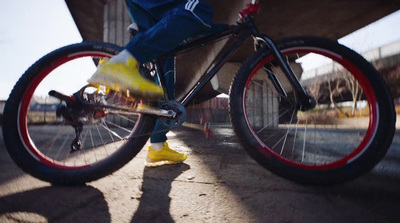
x,y
288,121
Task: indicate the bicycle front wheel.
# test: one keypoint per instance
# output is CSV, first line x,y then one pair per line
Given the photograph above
x,y
61,140
345,135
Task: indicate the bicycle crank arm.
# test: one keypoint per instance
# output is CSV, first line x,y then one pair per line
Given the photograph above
x,y
143,109
122,110
138,108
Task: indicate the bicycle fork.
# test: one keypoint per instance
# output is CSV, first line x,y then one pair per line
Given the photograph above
x,y
306,101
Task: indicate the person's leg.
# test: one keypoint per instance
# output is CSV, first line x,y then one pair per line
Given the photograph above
x,y
177,25
159,152
166,35
152,42
121,73
145,21
169,72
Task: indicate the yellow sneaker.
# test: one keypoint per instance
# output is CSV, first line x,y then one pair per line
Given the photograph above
x,y
122,77
163,156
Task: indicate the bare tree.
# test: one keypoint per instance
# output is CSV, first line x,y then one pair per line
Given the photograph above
x,y
335,91
355,89
315,91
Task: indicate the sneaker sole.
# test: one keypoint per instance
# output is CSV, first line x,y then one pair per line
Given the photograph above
x,y
160,163
123,89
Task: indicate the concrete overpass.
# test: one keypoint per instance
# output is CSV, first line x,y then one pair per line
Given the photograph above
x,y
106,20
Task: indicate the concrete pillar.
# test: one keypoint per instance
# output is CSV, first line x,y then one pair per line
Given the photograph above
x,y
116,22
262,105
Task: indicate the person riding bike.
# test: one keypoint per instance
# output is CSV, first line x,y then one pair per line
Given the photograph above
x,y
163,25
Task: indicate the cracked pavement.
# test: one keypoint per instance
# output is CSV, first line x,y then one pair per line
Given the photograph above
x,y
218,182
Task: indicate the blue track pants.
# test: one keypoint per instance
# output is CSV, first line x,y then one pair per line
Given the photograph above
x,y
161,29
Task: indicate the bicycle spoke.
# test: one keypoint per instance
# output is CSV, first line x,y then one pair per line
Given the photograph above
x,y
304,142
283,146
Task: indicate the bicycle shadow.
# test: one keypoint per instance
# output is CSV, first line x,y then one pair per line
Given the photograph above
x,y
155,202
55,204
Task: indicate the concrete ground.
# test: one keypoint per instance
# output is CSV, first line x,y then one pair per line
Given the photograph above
x,y
217,183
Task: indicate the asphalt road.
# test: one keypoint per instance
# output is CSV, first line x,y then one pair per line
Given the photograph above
x,y
217,183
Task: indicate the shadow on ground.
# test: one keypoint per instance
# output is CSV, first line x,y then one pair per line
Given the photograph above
x,y
56,204
267,197
155,201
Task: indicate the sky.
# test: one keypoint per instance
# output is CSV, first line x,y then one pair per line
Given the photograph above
x,y
29,30
32,28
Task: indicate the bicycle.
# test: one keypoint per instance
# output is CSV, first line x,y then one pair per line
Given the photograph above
x,y
280,119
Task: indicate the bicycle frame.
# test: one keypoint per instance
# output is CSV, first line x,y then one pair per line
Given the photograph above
x,y
241,32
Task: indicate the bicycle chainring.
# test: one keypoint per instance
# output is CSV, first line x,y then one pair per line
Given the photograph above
x,y
180,111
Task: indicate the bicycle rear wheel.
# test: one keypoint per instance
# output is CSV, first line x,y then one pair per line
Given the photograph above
x,y
40,130
344,136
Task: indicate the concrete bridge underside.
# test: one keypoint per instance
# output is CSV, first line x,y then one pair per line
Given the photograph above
x,y
386,60
106,20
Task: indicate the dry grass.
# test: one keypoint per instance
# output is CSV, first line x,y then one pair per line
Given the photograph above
x,y
330,116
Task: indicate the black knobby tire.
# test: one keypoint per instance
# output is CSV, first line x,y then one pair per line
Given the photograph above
x,y
42,148
323,145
